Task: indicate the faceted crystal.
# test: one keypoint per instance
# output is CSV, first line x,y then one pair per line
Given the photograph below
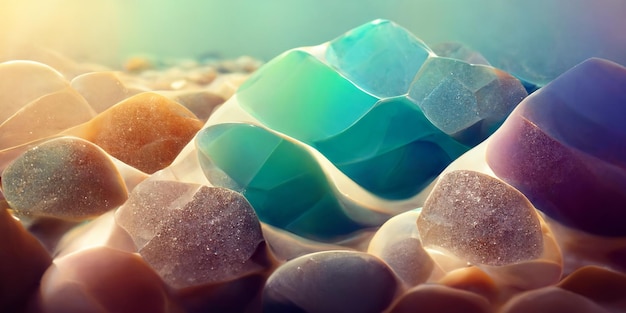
x,y
281,179
480,219
300,96
392,151
465,101
380,57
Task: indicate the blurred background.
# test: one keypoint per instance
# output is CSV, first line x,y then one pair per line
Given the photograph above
x,y
534,39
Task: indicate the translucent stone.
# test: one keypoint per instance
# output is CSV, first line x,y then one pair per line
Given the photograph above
x,y
146,131
331,281
563,148
282,180
66,178
192,235
392,151
24,81
397,242
459,51
46,116
481,220
468,102
380,57
300,96
102,89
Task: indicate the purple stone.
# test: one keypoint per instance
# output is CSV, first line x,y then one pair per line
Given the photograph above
x,y
564,147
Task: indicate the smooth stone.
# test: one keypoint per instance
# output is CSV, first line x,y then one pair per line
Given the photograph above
x,y
103,280
466,101
146,131
201,102
563,148
474,280
551,300
192,235
281,179
23,262
46,116
397,242
601,285
102,89
480,219
380,57
441,299
298,95
331,281
392,151
24,81
66,178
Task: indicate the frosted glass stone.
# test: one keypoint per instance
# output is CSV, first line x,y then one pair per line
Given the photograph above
x,y
298,95
66,178
146,131
102,89
330,281
468,102
24,81
282,180
191,234
46,116
480,219
380,57
459,51
564,148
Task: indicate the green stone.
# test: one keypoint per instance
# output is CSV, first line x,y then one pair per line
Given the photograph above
x,y
300,96
282,181
393,151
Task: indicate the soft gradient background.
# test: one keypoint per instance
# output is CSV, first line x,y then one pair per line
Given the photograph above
x,y
536,39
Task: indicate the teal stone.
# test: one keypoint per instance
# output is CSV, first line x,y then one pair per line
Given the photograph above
x,y
380,57
466,101
300,96
393,151
281,179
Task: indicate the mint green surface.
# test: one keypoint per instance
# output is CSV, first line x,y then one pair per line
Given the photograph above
x,y
298,95
380,57
393,151
280,179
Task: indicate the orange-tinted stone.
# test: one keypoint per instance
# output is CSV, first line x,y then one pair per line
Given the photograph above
x,y
146,131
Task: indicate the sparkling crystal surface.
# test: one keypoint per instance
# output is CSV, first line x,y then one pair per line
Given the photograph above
x,y
192,235
66,177
480,219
